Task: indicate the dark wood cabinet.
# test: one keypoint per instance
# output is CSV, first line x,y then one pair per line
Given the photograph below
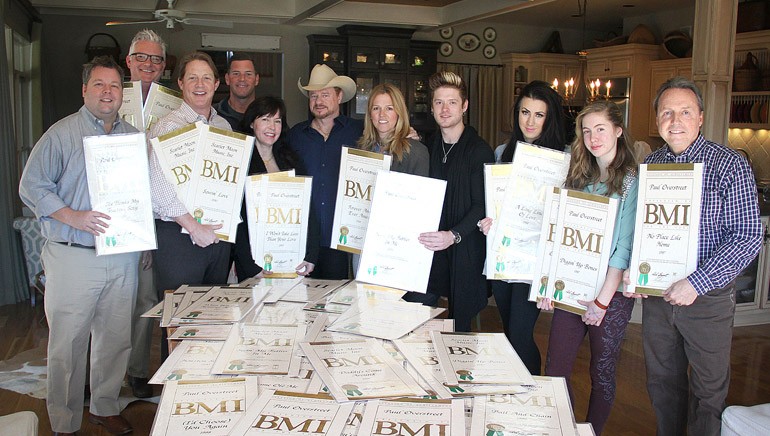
x,y
374,55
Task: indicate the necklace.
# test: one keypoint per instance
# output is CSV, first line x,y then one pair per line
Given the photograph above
x,y
446,152
267,160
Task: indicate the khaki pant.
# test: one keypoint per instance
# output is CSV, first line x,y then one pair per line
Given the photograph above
x,y
86,295
141,328
698,336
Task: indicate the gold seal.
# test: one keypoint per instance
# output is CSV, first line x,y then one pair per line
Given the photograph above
x,y
559,285
644,268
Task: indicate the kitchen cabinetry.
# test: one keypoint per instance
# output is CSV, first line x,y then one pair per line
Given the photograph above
x,y
375,55
752,286
660,71
630,61
749,107
522,68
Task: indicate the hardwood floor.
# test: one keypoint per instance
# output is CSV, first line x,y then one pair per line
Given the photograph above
x,y
631,415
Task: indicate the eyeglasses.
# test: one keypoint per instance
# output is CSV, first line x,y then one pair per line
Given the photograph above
x,y
142,57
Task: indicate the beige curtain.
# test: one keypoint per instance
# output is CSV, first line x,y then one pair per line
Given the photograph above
x,y
485,96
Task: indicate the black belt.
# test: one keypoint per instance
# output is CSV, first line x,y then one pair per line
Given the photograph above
x,y
72,244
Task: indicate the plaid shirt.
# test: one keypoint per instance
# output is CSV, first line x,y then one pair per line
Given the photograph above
x,y
165,204
730,230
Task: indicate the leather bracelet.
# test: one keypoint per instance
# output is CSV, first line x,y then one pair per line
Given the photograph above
x,y
600,305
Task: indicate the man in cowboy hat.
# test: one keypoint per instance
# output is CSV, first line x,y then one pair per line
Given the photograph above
x,y
319,141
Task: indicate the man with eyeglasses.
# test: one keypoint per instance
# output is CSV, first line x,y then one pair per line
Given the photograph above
x,y
242,78
146,61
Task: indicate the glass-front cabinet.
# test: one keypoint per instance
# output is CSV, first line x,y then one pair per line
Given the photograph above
x,y
752,286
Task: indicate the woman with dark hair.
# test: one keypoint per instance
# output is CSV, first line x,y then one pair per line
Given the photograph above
x,y
602,163
265,118
458,156
537,119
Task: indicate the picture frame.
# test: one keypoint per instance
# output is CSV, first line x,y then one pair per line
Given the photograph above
x,y
490,34
446,32
468,42
446,49
489,51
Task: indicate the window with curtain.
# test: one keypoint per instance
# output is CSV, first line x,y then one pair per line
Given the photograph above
x,y
19,57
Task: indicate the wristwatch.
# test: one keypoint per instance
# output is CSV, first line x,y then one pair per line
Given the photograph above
x,y
458,238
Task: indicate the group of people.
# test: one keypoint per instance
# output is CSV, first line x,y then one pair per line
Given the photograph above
x,y
88,296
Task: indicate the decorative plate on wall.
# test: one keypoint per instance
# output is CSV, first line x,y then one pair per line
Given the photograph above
x,y
446,32
490,34
468,42
489,51
446,49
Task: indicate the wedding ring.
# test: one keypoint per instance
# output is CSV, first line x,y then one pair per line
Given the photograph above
x,y
478,224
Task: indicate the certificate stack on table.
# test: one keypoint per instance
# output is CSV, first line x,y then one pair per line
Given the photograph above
x,y
277,209
222,304
208,168
403,207
119,186
269,349
545,409
358,176
582,239
190,360
515,197
414,416
667,225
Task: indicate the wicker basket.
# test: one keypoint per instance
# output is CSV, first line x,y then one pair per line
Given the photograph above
x,y
748,77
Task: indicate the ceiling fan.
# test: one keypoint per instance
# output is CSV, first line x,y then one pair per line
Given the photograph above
x,y
173,16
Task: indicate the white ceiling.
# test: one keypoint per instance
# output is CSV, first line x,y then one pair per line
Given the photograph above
x,y
602,15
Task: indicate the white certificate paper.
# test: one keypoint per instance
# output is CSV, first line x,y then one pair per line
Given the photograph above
x,y
160,101
219,174
131,109
261,349
360,370
515,235
190,360
667,226
495,180
203,407
544,410
479,358
584,229
545,246
119,186
277,209
413,417
176,154
288,413
403,207
358,176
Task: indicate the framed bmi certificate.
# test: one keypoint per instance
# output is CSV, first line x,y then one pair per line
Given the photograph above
x,y
176,152
131,109
545,246
581,248
160,101
358,175
119,186
667,225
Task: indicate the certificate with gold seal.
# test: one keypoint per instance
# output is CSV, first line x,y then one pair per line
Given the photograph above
x,y
131,109
581,249
358,176
160,101
218,178
404,206
289,413
513,237
277,209
545,246
545,409
479,358
495,180
360,370
667,225
196,407
119,186
414,416
268,349
190,360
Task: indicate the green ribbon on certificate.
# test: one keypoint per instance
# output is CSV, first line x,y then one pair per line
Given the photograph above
x,y
542,289
174,376
189,333
456,389
506,241
235,366
643,278
500,266
558,294
494,433
343,239
351,392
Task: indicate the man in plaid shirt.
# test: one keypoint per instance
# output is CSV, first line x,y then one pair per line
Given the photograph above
x,y
692,324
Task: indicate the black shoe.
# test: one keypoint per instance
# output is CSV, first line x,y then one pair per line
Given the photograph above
x,y
139,387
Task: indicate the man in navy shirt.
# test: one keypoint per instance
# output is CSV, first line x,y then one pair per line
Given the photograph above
x,y
319,141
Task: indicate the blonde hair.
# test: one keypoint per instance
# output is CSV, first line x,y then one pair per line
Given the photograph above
x,y
397,143
583,168
450,80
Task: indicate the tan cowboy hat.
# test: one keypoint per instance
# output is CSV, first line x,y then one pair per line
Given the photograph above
x,y
324,77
